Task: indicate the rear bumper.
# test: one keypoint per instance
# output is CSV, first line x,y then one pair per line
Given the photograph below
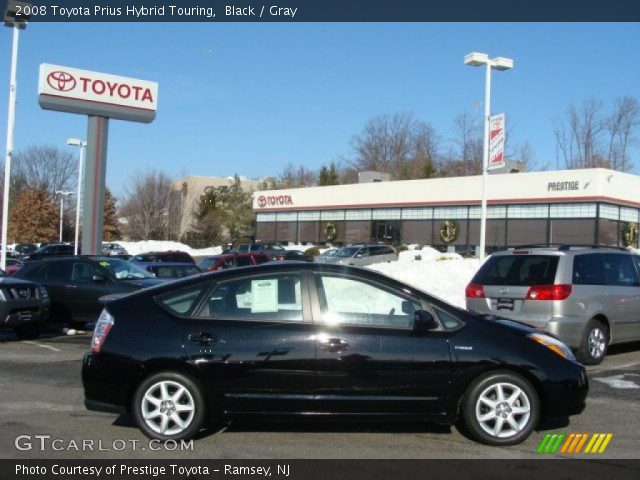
x,y
569,329
107,383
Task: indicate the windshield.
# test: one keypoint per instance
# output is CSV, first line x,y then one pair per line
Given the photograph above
x,y
347,252
329,253
124,270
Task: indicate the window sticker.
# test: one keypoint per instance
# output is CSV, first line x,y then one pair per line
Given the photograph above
x,y
264,295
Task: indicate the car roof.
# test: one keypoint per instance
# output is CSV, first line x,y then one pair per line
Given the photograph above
x,y
560,249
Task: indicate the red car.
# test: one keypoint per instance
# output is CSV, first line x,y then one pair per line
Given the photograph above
x,y
13,266
232,260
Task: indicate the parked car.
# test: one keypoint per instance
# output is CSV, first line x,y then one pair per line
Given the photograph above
x,y
361,255
168,256
21,250
285,339
232,260
13,265
24,306
75,283
293,255
170,269
50,250
327,254
268,248
113,249
589,297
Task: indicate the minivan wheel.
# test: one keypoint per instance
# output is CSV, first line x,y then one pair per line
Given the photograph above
x,y
594,344
169,406
500,409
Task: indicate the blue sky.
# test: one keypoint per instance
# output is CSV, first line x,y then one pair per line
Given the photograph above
x,y
249,97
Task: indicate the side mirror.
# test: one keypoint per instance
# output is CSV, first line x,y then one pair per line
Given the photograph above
x,y
424,322
99,278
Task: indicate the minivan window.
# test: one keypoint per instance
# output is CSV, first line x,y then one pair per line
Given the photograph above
x,y
347,252
243,261
619,270
518,270
588,269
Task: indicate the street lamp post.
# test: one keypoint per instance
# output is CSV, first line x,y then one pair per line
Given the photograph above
x,y
82,144
476,59
62,194
16,22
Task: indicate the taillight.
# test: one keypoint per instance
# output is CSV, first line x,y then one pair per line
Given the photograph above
x,y
474,290
548,292
101,330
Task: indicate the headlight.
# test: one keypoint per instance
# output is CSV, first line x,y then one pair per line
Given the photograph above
x,y
2,297
43,292
552,344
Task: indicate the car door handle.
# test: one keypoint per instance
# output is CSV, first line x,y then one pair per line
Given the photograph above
x,y
333,345
202,338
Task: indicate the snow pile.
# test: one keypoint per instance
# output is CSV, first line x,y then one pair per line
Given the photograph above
x,y
134,248
444,275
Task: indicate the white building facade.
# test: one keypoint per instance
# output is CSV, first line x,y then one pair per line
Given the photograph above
x,y
590,206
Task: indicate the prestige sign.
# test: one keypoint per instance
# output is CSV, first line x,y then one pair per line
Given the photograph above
x,y
81,91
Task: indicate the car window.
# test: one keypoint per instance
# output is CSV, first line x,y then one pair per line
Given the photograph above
x,y
207,263
83,272
518,270
588,269
619,270
352,301
123,270
183,301
265,297
185,271
58,272
448,320
243,261
243,248
163,272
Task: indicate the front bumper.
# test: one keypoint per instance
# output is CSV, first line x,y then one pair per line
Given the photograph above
x,y
20,313
567,397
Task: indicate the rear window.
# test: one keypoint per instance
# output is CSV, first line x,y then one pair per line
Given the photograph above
x,y
518,270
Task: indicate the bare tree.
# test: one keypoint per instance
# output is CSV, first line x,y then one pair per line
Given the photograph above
x,y
46,168
580,138
398,144
296,176
466,156
621,127
147,205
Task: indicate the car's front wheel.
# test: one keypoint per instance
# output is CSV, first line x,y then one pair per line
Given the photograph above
x,y
500,409
169,406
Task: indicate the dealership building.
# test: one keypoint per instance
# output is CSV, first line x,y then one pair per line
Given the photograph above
x,y
590,206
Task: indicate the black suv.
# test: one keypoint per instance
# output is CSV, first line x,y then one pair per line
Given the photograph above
x,y
76,283
24,306
175,256
50,250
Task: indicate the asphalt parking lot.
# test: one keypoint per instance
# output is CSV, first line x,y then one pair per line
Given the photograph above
x,y
41,395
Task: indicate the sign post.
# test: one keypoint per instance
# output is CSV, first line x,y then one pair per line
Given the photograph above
x,y
100,96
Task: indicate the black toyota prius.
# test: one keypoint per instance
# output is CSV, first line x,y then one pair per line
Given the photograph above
x,y
296,339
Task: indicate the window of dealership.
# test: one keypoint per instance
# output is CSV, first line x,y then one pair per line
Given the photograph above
x,y
567,207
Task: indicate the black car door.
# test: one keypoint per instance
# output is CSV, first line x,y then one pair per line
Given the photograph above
x,y
88,282
253,338
367,350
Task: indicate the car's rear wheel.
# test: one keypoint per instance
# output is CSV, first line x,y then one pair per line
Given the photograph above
x,y
500,409
594,343
169,406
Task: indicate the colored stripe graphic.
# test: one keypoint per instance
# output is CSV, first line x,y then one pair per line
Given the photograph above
x,y
573,443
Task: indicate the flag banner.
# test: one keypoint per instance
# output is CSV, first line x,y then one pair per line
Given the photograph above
x,y
496,142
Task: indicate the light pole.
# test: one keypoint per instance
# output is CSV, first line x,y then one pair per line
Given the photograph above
x,y
62,194
476,59
16,22
82,144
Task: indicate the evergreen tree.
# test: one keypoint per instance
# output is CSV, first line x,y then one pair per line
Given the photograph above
x,y
111,230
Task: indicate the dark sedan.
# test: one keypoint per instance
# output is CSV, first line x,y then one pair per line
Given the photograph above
x,y
303,338
75,283
293,255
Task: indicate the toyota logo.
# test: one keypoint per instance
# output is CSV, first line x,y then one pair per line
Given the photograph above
x,y
61,81
262,201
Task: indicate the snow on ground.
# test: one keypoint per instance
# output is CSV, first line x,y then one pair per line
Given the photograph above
x,y
134,248
444,275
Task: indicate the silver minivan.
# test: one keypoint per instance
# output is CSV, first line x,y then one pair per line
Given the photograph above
x,y
361,255
589,297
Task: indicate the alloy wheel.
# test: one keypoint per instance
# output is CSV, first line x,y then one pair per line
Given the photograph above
x,y
597,342
503,410
168,407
